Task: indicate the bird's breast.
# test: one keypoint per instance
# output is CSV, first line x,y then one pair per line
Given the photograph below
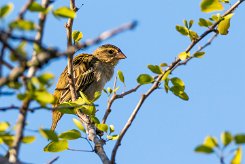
x,y
102,74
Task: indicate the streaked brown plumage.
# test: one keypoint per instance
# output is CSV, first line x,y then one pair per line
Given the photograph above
x,y
91,72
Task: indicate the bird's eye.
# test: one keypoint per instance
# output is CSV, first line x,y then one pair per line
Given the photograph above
x,y
110,51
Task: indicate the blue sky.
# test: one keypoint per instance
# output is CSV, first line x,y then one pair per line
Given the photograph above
x,y
167,129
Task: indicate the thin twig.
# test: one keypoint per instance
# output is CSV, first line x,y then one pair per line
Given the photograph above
x,y
113,98
158,80
53,160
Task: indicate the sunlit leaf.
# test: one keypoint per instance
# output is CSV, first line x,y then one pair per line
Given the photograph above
x,y
191,23
210,142
239,138
102,127
184,55
237,159
120,76
155,69
204,22
178,82
21,51
97,95
4,126
224,25
48,134
77,35
165,76
70,135
204,149
79,125
112,129
145,79
36,7
43,97
193,35
178,91
22,25
198,54
45,78
95,120
211,6
8,139
64,12
113,137
56,146
226,138
28,139
6,9
182,30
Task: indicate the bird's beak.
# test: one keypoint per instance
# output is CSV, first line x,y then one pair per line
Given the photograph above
x,y
120,55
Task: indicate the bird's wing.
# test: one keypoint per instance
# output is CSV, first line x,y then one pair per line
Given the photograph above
x,y
83,77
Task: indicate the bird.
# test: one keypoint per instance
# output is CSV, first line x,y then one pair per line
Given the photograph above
x,y
91,72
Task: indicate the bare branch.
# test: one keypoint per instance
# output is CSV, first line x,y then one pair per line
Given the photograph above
x,y
24,9
114,97
158,80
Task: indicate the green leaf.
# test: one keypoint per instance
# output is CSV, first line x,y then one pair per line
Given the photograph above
x,y
6,9
121,76
183,55
4,126
225,1
79,125
226,138
191,23
64,12
113,137
22,25
198,54
155,69
8,140
95,120
56,146
178,82
181,29
239,138
112,129
178,91
48,134
28,139
14,84
102,127
36,7
210,142
70,135
193,35
97,95
21,51
43,97
67,108
237,159
204,149
166,87
185,23
216,17
163,65
145,79
77,36
211,6
165,76
45,78
224,25
204,23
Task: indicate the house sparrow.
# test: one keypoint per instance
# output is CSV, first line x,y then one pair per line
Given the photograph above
x,y
91,72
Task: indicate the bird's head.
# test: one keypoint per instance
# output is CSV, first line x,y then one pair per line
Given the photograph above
x,y
109,54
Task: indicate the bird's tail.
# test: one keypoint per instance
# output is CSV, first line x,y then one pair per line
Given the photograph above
x,y
56,116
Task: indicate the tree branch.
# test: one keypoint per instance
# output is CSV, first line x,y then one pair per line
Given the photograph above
x,y
158,80
113,98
